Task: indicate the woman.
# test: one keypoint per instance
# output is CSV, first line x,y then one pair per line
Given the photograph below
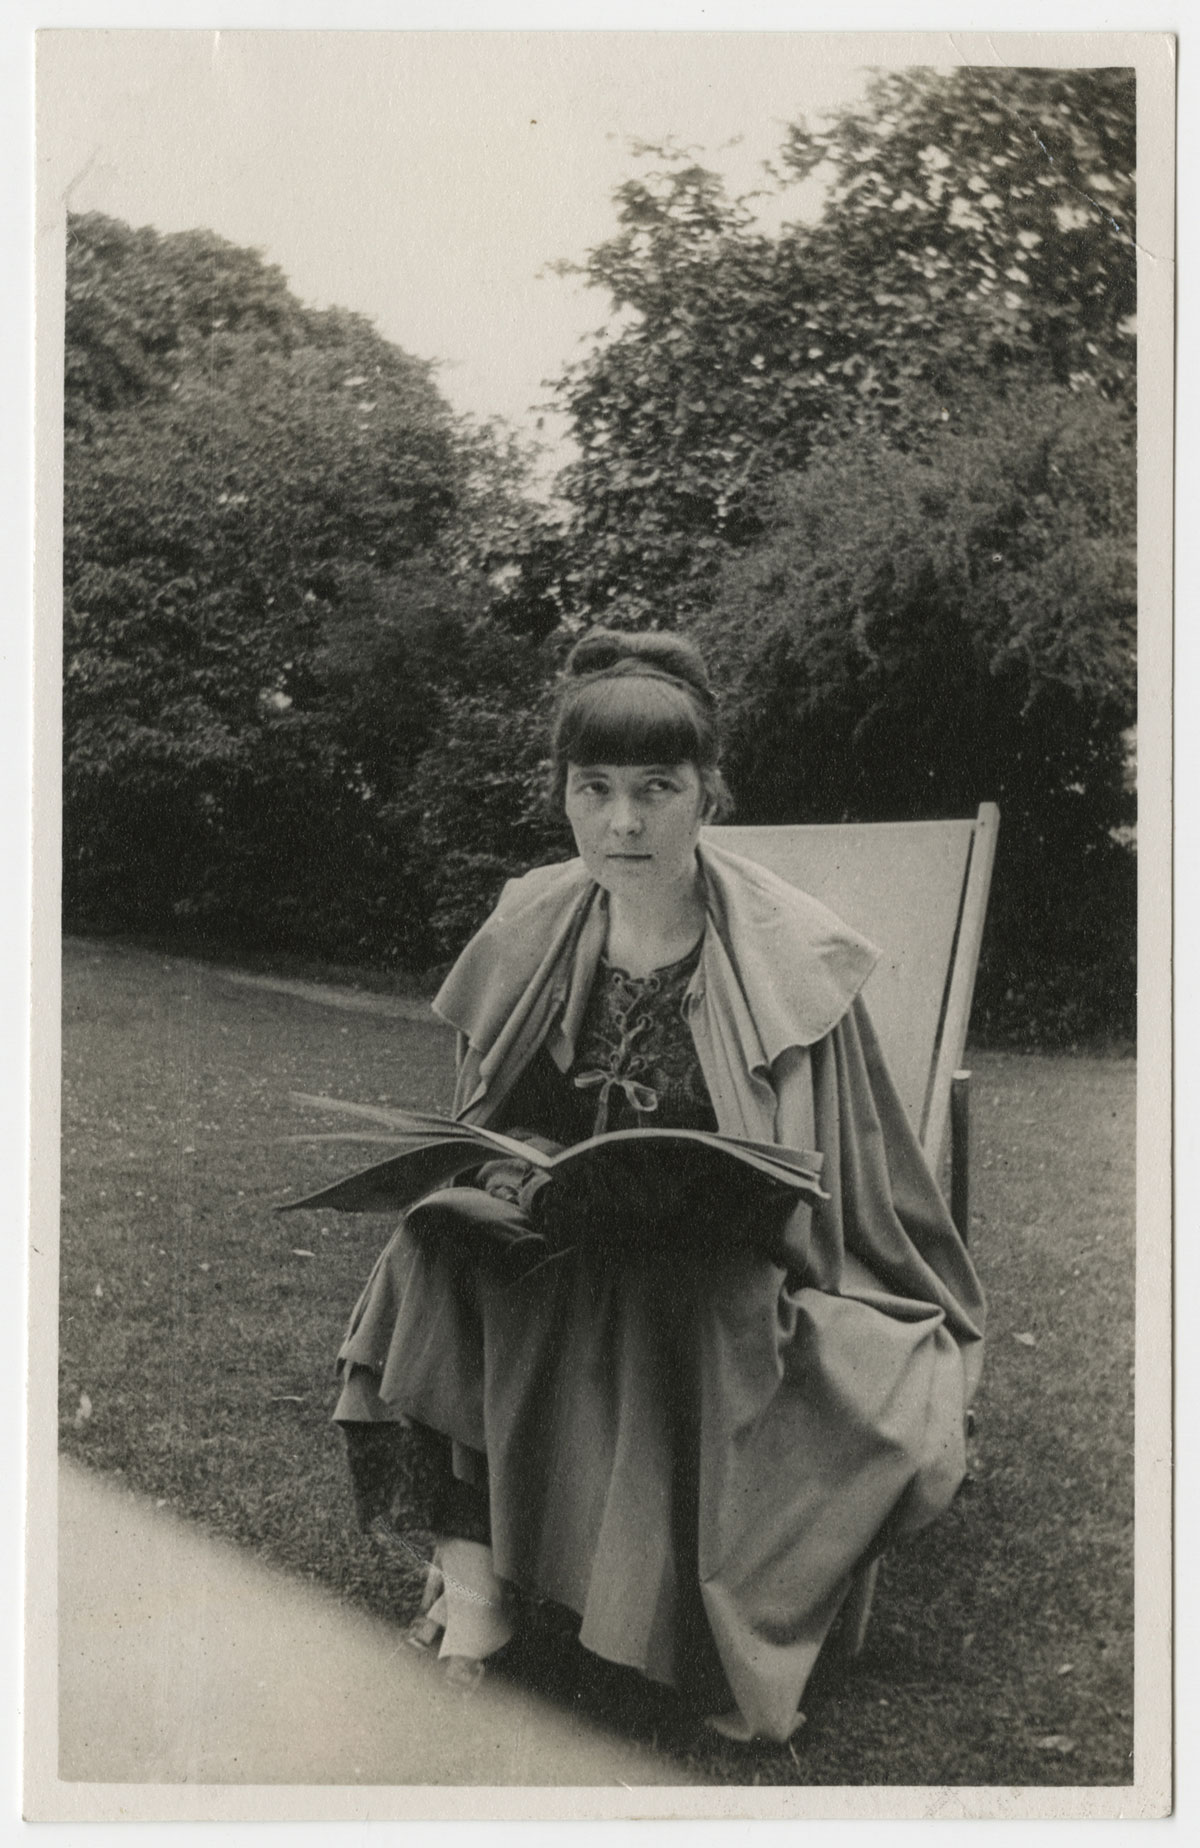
x,y
692,1458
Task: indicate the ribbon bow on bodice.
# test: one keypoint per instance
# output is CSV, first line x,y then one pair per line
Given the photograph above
x,y
639,1096
626,995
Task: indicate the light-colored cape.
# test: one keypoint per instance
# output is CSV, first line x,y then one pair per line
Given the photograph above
x,y
696,1465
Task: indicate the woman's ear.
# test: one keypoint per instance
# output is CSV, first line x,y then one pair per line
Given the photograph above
x,y
717,802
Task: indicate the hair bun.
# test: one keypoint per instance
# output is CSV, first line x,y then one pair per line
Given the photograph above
x,y
630,650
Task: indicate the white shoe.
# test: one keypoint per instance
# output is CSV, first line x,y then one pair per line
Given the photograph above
x,y
472,1609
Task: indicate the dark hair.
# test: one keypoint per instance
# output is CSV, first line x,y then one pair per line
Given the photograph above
x,y
637,698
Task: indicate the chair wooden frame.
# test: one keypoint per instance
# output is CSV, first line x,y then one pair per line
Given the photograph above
x,y
945,1105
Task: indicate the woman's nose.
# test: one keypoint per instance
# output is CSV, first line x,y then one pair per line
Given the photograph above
x,y
626,817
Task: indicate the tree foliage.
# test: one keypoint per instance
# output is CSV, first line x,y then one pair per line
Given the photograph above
x,y
283,558
141,309
882,463
981,222
914,636
977,231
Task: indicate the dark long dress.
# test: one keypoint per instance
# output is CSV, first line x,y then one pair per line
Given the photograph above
x,y
693,1460
636,1066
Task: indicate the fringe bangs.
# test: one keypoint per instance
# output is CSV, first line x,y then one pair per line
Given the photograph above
x,y
632,720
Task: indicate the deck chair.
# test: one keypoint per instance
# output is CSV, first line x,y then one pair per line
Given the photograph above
x,y
919,891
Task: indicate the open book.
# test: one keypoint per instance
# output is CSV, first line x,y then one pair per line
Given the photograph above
x,y
632,1185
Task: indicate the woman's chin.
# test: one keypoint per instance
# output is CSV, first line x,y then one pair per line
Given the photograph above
x,y
612,870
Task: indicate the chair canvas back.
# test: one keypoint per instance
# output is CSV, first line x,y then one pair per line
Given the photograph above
x,y
918,891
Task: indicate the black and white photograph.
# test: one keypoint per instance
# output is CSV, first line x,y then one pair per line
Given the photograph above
x,y
601,1191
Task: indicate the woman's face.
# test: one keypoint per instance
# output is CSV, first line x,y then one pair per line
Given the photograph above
x,y
636,825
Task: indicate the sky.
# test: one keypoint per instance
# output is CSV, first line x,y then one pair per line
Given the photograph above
x,y
424,179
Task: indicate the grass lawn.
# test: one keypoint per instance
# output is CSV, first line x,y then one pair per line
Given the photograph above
x,y
198,1329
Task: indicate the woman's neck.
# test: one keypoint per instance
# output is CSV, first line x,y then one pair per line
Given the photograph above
x,y
647,931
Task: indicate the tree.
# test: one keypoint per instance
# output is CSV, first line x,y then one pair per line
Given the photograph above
x,y
141,308
977,221
977,235
237,485
673,415
882,463
475,811
916,634
300,595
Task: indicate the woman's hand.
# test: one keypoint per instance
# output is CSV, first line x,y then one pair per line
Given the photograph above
x,y
503,1179
510,1178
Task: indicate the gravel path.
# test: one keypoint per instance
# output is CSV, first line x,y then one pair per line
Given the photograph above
x,y
352,1000
183,1659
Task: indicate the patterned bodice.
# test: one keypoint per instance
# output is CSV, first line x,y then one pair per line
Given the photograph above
x,y
635,1062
